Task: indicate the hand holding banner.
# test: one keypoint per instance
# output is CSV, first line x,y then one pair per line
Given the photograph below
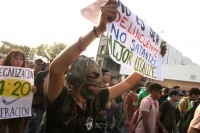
x,y
132,43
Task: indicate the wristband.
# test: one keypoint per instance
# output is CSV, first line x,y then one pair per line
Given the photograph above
x,y
79,44
95,32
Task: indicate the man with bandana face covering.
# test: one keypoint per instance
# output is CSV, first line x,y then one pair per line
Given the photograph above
x,y
73,110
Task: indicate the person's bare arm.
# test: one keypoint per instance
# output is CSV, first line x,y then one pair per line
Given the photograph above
x,y
126,112
174,126
193,130
183,105
108,105
145,116
125,85
66,58
160,125
159,114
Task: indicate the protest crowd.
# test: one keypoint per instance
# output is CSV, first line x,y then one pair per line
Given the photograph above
x,y
72,94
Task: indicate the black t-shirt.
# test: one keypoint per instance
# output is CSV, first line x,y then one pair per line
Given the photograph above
x,y
38,97
58,113
162,99
168,114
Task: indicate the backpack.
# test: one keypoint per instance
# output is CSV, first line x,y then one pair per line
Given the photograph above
x,y
134,121
186,119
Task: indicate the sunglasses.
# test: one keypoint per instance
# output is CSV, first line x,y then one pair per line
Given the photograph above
x,y
39,64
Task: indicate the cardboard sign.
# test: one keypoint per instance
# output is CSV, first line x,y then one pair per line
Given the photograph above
x,y
15,92
132,43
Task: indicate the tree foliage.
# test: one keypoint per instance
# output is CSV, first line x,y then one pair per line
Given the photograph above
x,y
50,51
7,47
45,50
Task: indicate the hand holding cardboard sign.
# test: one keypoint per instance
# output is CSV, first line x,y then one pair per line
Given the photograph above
x,y
108,14
34,89
163,49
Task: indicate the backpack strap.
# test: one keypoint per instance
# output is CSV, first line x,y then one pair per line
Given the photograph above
x,y
149,110
150,102
186,101
138,121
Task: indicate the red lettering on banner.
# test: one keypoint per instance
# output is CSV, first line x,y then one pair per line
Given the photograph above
x,y
122,21
118,15
129,30
145,42
155,52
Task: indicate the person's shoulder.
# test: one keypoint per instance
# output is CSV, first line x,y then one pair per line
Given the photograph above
x,y
129,94
183,100
141,90
146,100
164,103
146,104
144,92
198,109
63,98
43,72
40,73
150,100
103,91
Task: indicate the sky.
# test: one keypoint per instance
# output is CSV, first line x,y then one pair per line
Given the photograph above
x,y
35,22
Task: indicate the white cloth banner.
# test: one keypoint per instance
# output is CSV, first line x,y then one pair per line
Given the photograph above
x,y
132,43
15,92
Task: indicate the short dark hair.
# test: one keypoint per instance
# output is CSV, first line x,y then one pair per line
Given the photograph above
x,y
175,92
184,92
148,83
195,91
176,87
38,60
103,70
166,90
155,87
139,84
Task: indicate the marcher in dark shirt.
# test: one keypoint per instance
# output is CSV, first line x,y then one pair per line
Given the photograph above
x,y
167,112
63,107
164,96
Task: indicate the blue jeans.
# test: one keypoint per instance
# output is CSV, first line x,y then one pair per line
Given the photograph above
x,y
35,121
125,128
114,116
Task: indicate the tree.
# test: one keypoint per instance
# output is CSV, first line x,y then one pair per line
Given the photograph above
x,y
50,51
7,47
25,49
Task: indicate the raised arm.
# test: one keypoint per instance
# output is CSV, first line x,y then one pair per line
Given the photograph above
x,y
122,87
66,58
